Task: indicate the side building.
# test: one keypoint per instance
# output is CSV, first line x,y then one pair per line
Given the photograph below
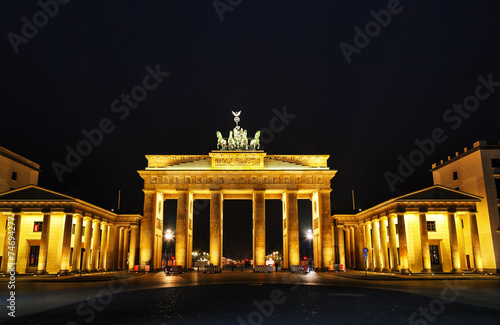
x,y
49,232
430,230
476,170
16,171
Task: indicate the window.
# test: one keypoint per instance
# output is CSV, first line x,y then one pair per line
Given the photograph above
x,y
431,225
497,184
455,176
14,176
37,226
495,162
34,251
73,229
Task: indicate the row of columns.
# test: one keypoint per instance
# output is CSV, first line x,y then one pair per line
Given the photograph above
x,y
114,239
291,253
352,240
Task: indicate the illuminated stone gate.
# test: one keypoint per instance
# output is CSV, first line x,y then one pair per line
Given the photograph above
x,y
236,175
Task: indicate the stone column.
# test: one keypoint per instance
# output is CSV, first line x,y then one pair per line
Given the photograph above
x,y
77,245
96,235
376,245
293,228
368,244
259,227
340,236
104,247
148,229
325,229
216,227
360,244
353,247
285,232
125,249
455,253
9,259
116,247
476,247
348,247
110,256
66,244
133,247
87,243
44,244
403,246
181,229
393,244
383,245
120,248
424,243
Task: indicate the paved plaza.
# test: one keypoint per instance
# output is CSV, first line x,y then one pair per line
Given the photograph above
x,y
352,297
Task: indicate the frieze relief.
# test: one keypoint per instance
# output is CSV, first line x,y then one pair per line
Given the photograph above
x,y
287,180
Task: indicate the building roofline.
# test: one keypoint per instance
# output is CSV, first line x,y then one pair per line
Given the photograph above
x,y
478,145
19,159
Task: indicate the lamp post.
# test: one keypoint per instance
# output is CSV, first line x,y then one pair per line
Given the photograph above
x,y
310,237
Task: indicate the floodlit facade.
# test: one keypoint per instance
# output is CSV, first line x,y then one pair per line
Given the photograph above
x,y
431,230
237,175
16,171
477,171
46,232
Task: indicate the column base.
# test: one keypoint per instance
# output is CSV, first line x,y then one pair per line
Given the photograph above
x,y
386,270
405,271
478,271
426,271
378,269
63,272
456,271
395,270
38,272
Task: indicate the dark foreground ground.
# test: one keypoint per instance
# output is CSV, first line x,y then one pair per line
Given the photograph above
x,y
264,304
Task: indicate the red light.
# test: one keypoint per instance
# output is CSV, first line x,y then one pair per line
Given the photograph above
x,y
173,258
36,228
246,259
305,258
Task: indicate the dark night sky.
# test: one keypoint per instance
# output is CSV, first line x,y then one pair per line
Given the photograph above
x,y
263,55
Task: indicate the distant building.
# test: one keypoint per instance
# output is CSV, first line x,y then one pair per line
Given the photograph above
x,y
16,171
477,171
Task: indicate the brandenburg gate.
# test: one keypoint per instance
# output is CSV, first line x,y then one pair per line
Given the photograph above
x,y
238,171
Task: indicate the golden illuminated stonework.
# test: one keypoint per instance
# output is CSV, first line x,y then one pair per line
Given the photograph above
x,y
237,159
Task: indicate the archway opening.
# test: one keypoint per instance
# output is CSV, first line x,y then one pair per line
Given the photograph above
x,y
237,230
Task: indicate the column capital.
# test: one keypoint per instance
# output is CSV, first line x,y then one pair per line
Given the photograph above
x,y
383,218
96,220
86,218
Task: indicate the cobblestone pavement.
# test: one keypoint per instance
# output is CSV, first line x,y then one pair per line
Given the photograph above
x,y
233,297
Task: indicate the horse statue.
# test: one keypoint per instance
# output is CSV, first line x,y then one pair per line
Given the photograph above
x,y
231,142
244,140
221,141
255,143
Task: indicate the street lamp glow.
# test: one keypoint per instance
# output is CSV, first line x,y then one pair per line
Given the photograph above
x,y
168,235
309,234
